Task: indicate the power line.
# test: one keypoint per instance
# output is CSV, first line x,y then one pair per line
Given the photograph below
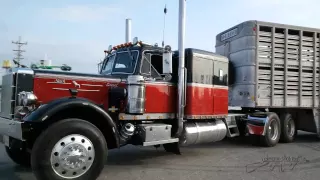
x,y
19,51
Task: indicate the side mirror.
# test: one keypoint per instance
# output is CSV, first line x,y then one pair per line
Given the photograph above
x,y
167,62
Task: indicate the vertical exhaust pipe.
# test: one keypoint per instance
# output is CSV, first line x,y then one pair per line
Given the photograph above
x,y
182,70
128,30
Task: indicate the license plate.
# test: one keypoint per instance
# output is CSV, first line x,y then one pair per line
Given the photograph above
x,y
6,140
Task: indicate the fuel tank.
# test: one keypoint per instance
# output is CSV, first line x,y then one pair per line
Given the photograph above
x,y
203,132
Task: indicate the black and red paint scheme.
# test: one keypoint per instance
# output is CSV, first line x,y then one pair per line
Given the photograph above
x,y
120,109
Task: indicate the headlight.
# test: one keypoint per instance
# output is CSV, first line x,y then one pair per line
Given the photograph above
x,y
26,99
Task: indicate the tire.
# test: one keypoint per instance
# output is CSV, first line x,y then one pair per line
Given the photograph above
x,y
57,140
272,135
288,128
20,157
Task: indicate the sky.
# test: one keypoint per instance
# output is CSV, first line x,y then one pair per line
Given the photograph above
x,y
76,32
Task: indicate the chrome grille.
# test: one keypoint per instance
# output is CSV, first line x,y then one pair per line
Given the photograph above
x,y
8,95
14,82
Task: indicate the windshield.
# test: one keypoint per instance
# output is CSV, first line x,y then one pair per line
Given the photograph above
x,y
120,62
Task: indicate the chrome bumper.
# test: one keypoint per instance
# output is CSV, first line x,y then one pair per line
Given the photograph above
x,y
10,128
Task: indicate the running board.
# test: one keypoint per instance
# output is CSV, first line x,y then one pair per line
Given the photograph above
x,y
152,143
232,127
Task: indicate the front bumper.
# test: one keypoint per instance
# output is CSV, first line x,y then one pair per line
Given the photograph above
x,y
10,129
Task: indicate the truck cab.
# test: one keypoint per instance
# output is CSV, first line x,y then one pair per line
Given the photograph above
x,y
137,58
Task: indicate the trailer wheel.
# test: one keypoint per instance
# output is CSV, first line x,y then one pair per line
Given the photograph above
x,y
288,128
20,157
273,131
69,149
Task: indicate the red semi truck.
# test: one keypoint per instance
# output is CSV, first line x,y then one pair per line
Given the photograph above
x,y
262,82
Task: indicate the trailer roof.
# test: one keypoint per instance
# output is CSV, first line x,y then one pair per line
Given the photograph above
x,y
279,25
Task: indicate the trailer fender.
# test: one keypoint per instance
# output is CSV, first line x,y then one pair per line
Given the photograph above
x,y
257,125
59,106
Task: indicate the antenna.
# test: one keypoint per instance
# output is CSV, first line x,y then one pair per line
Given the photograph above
x,y
19,51
164,23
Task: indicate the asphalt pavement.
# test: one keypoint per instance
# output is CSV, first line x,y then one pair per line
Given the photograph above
x,y
229,159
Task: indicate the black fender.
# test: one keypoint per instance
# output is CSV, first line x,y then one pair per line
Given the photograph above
x,y
44,112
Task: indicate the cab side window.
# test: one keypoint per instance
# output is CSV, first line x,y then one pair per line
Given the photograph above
x,y
220,73
152,66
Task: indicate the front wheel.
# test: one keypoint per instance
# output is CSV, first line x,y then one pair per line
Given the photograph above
x,y
69,149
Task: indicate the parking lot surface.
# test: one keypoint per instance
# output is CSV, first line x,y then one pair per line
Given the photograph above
x,y
229,159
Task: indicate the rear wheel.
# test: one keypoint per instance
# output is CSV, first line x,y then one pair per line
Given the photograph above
x,y
273,131
288,128
69,149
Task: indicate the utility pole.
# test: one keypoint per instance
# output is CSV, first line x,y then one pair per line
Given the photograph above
x,y
19,51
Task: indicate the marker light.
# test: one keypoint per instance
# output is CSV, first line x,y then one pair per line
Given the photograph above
x,y
121,46
167,48
110,48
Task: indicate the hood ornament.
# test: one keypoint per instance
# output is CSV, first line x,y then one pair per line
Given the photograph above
x,y
76,84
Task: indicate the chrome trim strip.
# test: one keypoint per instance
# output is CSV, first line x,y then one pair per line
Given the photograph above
x,y
205,116
208,85
154,116
188,84
76,77
159,83
92,85
56,83
11,128
148,116
87,90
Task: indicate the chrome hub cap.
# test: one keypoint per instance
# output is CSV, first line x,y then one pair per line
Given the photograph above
x,y
72,156
291,128
273,130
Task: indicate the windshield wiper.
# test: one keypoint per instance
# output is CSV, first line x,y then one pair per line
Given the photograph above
x,y
131,57
130,54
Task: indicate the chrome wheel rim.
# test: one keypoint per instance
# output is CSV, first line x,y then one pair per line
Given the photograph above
x,y
273,130
72,156
291,128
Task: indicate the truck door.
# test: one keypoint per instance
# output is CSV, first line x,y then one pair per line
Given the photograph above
x,y
160,91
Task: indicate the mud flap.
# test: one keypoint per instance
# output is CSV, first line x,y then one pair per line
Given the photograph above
x,y
173,148
256,125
